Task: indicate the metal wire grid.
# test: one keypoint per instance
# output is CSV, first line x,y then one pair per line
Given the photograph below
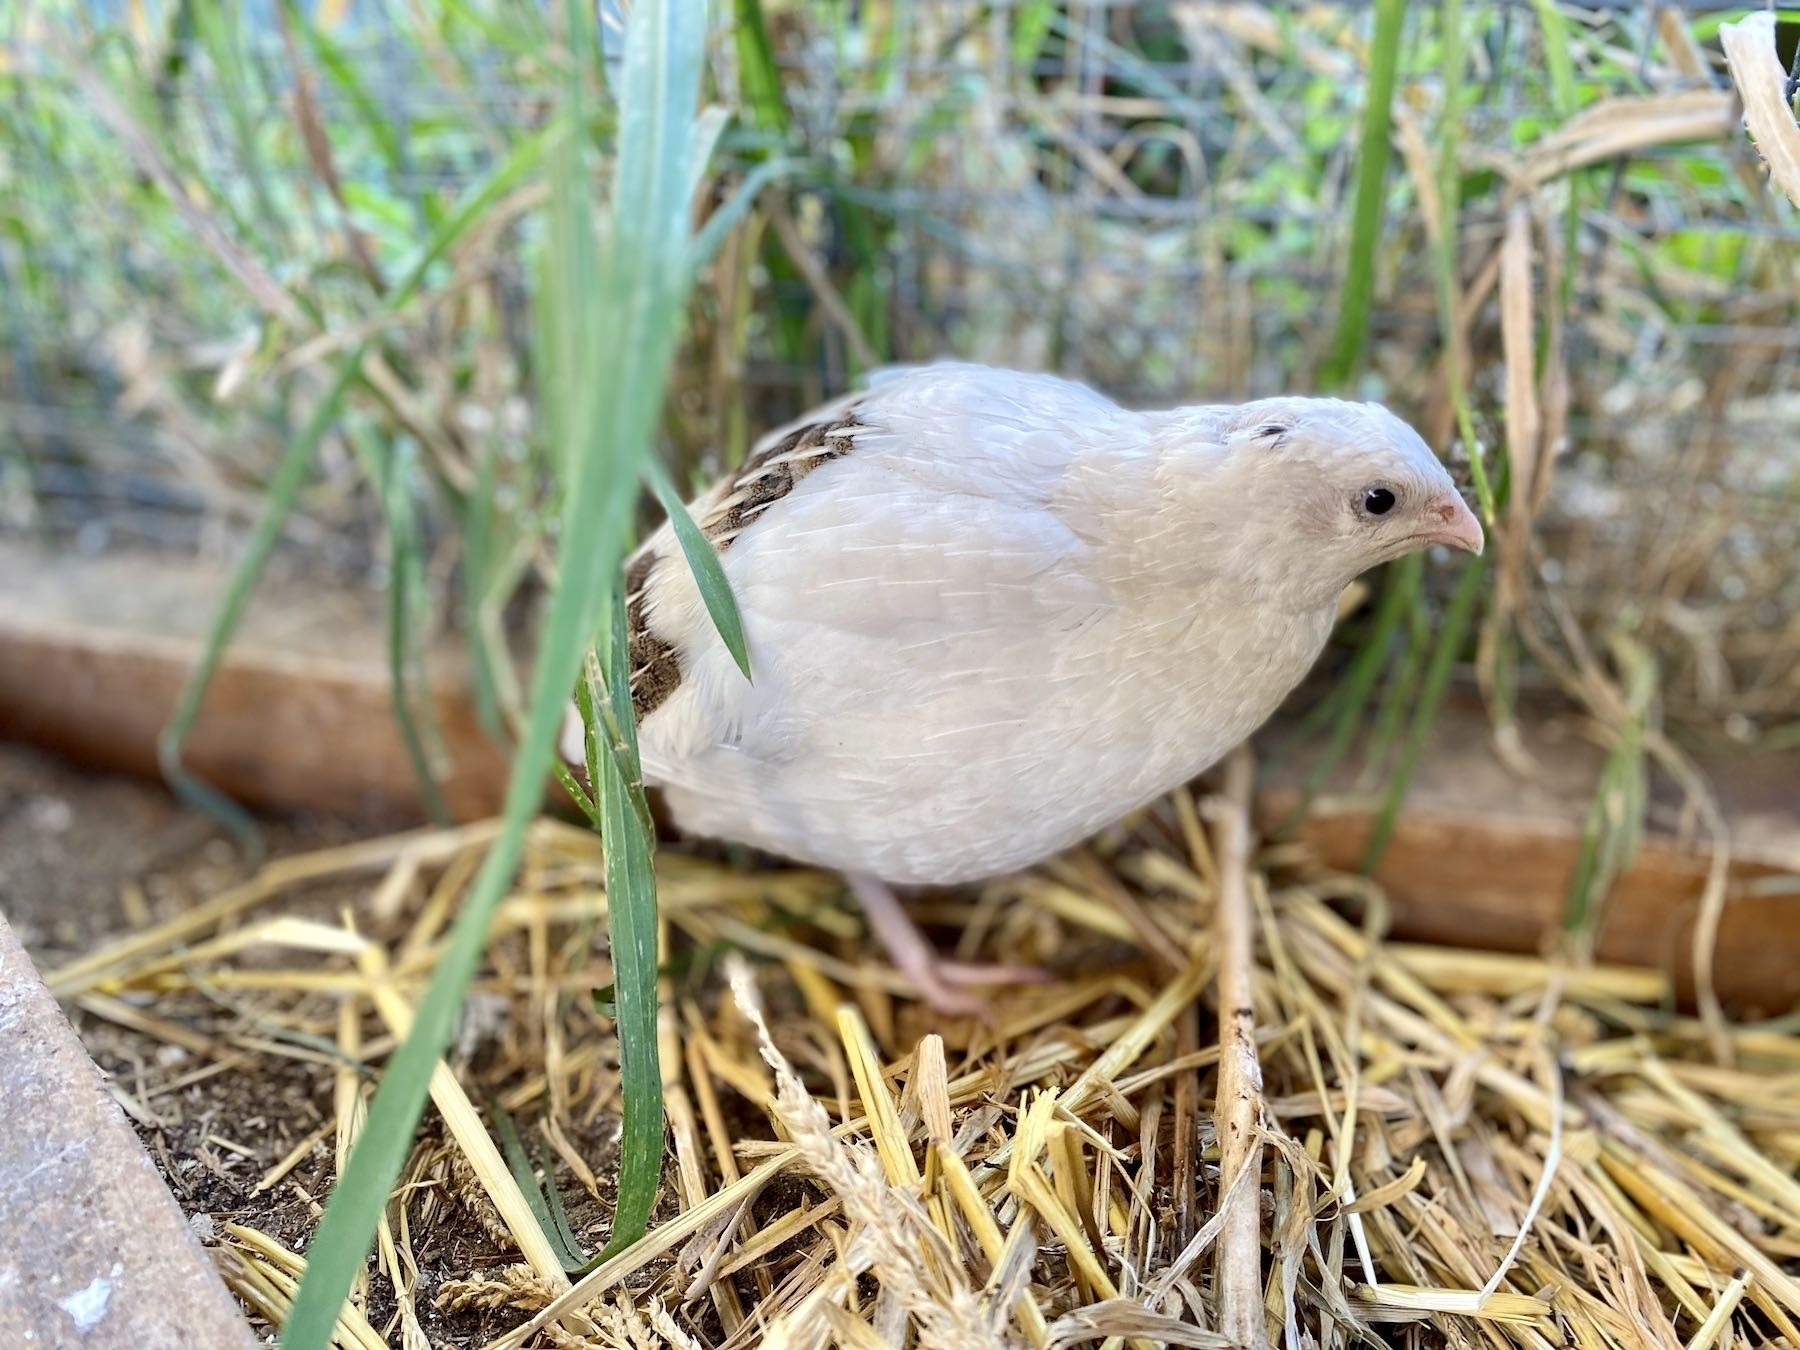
x,y
975,261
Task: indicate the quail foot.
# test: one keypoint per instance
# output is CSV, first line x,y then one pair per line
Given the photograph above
x,y
989,613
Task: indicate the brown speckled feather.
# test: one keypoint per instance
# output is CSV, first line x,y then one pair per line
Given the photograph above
x,y
1013,613
728,509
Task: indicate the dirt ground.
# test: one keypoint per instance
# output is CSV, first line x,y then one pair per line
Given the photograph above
x,y
85,858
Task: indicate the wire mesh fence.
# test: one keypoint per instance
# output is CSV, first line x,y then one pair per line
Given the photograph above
x,y
1154,197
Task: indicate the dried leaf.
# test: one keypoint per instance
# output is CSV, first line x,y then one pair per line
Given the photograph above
x,y
1762,84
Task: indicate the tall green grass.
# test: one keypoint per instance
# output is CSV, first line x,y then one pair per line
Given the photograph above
x,y
1615,821
297,462
1423,680
1400,640
1402,585
610,312
1368,209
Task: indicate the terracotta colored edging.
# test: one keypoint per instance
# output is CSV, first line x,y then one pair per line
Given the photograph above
x,y
1498,884
279,731
284,729
94,1251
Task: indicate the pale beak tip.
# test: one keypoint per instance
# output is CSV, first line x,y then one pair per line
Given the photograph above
x,y
1475,541
1461,529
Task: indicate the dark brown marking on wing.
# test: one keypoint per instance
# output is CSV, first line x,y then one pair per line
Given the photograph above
x,y
655,669
763,480
769,476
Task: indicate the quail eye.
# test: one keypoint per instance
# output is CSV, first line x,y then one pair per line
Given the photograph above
x,y
1377,501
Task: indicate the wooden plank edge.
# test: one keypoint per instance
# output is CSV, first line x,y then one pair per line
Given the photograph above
x,y
284,732
1497,883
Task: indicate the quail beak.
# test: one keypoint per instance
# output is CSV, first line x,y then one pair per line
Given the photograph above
x,y
1453,524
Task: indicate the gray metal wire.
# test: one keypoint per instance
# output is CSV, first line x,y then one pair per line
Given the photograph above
x,y
1100,281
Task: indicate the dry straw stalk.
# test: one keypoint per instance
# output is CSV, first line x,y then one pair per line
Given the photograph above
x,y
1065,1172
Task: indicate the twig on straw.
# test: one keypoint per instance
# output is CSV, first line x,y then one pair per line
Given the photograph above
x,y
1238,1113
1552,1160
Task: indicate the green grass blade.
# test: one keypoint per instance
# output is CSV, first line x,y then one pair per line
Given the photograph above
x,y
1615,819
219,28
284,488
603,733
642,283
1030,26
577,794
1358,684
631,920
1446,256
529,40
1558,44
1457,621
524,161
360,1196
524,1172
616,710
588,701
758,78
1371,197
1323,713
1402,690
406,587
575,1258
720,224
342,72
1128,66
278,500
479,525
709,572
708,127
494,654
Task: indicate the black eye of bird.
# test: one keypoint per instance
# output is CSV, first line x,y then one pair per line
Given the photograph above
x,y
1378,501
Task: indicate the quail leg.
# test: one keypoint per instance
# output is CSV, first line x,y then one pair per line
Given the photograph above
x,y
942,982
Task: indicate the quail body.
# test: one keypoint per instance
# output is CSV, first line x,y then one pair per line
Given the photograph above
x,y
990,612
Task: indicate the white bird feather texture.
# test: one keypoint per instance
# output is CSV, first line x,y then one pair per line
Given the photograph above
x,y
993,612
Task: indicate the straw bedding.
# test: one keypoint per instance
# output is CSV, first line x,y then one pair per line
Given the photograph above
x,y
1481,1150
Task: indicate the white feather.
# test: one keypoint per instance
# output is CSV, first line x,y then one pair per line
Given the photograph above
x,y
1011,613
